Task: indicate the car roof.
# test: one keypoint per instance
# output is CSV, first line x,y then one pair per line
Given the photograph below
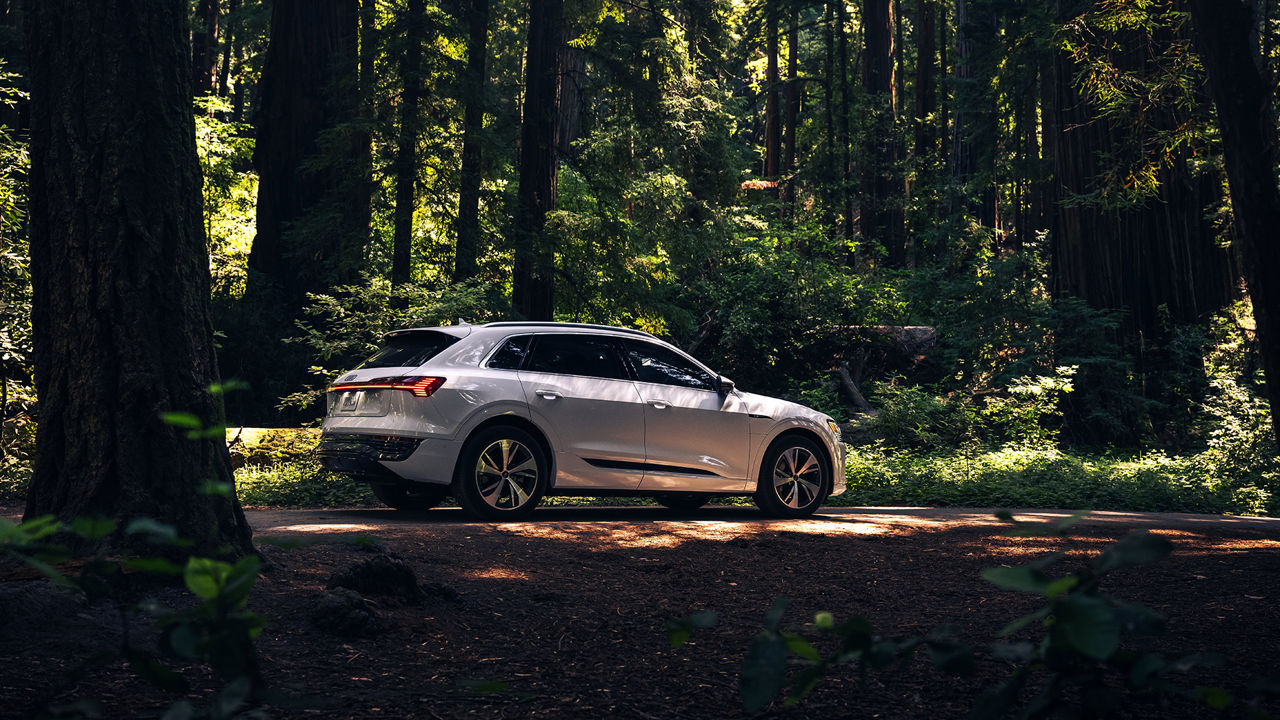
x,y
462,329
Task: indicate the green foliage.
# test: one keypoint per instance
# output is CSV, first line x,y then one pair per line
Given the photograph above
x,y
341,329
300,482
217,632
1021,476
230,191
1079,649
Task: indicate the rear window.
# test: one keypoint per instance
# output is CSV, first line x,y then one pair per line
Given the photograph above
x,y
409,350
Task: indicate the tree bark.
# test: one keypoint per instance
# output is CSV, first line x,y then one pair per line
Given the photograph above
x,y
120,274
533,277
772,86
468,246
793,108
204,46
312,158
228,51
842,122
877,147
406,165
1242,96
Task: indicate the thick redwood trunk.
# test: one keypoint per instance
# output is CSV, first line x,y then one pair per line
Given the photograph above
x,y
793,106
313,193
533,277
406,165
926,85
1245,115
120,306
467,249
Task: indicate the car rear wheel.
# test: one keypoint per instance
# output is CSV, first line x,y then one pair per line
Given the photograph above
x,y
420,497
502,474
794,478
682,502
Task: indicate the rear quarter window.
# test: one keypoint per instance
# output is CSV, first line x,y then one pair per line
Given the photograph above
x,y
408,350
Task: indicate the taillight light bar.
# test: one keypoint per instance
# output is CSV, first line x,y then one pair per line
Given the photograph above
x,y
420,386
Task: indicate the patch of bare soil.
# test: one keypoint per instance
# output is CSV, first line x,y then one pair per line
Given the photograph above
x,y
568,610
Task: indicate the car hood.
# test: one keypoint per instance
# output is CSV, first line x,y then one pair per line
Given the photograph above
x,y
779,409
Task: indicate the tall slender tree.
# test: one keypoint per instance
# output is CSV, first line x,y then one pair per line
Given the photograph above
x,y
533,277
406,163
120,273
467,249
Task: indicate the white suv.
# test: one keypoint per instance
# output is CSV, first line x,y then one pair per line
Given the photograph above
x,y
499,415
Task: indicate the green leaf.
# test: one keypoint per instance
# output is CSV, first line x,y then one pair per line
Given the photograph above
x,y
1066,523
219,489
824,621
233,697
678,631
1061,586
1136,548
181,420
1147,667
773,618
1021,577
154,566
1215,697
179,710
799,646
93,528
763,672
228,386
240,580
205,578
157,530
1088,625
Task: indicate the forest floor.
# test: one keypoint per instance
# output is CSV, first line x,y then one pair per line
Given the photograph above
x,y
568,610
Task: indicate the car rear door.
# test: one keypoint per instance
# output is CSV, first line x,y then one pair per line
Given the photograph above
x,y
578,390
696,438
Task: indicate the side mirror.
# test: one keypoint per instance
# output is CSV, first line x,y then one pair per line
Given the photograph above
x,y
726,385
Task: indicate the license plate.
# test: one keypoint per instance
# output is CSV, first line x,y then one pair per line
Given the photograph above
x,y
362,403
350,401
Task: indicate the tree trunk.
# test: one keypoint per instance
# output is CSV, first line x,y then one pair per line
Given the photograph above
x,y
842,122
228,51
313,194
771,88
793,107
533,277
877,149
468,247
926,86
1245,116
406,165
963,163
120,274
204,46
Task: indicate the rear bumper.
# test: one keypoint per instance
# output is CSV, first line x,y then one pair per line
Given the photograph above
x,y
362,456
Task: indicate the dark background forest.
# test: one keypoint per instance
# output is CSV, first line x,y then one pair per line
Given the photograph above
x,y
1032,237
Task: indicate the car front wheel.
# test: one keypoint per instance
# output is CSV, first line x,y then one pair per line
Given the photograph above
x,y
793,478
502,474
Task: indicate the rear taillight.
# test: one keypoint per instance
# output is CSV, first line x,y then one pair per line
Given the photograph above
x,y
420,386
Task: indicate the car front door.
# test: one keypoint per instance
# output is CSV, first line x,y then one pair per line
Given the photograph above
x,y
577,388
696,438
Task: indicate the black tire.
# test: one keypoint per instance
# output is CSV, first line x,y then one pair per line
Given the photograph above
x,y
415,497
502,474
682,502
795,478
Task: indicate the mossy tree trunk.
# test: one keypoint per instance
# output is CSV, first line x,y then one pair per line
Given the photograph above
x,y
120,270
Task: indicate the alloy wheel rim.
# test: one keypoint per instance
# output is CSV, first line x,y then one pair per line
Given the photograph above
x,y
797,477
506,474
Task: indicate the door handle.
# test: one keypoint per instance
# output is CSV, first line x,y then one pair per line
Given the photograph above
x,y
659,404
548,394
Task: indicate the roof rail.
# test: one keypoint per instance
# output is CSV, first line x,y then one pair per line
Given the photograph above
x,y
587,326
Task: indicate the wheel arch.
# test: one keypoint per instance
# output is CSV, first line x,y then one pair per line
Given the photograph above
x,y
513,420
807,434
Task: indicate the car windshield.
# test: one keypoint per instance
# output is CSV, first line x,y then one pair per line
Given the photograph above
x,y
409,350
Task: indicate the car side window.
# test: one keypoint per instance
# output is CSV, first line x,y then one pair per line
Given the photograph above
x,y
576,355
512,353
656,364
